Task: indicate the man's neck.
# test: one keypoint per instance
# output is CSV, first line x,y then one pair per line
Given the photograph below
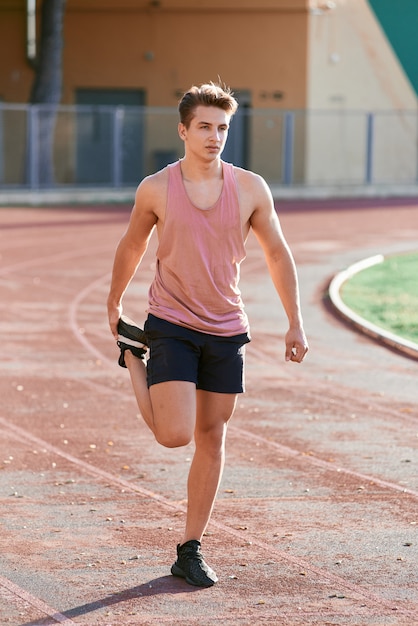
x,y
194,170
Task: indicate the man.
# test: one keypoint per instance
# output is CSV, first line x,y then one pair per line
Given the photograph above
x,y
203,209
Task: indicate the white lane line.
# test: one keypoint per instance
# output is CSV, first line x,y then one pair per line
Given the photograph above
x,y
40,605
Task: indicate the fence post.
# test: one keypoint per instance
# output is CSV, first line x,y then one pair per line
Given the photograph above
x,y
369,147
32,147
288,147
2,163
118,117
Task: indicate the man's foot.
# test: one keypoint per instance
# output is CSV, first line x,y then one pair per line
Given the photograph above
x,y
191,566
130,338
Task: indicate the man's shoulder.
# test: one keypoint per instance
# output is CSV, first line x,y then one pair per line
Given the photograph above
x,y
250,182
151,194
154,184
156,180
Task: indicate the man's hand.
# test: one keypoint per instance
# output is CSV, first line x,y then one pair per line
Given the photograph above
x,y
114,313
296,345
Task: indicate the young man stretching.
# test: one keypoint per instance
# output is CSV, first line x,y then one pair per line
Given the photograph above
x,y
196,329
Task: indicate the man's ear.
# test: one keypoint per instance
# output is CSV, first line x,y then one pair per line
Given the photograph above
x,y
182,131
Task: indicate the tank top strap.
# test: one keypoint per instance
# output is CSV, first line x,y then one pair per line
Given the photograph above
x,y
175,179
230,196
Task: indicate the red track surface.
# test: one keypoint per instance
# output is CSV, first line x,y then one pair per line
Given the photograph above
x,y
316,519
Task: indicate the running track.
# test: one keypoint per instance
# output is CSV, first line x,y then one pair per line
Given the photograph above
x,y
316,517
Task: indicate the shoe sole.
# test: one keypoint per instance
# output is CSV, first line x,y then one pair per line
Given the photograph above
x,y
130,334
131,338
177,571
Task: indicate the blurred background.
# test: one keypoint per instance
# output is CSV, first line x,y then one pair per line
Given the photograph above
x,y
327,91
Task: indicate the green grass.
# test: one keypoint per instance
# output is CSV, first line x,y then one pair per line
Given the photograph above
x,y
387,295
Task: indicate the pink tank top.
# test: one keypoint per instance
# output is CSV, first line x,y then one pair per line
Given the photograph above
x,y
198,261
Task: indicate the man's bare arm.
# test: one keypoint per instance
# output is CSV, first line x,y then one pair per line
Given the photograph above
x,y
131,250
266,226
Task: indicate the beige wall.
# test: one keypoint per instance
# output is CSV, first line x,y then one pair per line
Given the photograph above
x,y
328,58
15,74
352,69
165,50
164,47
351,64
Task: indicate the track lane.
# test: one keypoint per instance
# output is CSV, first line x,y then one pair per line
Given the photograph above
x,y
81,300
365,595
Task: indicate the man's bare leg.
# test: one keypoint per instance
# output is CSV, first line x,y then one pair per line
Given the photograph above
x,y
174,412
138,373
213,412
212,415
168,409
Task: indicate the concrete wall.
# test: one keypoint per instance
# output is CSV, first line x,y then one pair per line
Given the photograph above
x,y
352,70
329,60
15,74
399,21
164,46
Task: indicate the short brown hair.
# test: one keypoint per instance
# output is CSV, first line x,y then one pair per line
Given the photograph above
x,y
208,94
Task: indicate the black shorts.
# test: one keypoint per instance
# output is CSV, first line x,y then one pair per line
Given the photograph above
x,y
212,362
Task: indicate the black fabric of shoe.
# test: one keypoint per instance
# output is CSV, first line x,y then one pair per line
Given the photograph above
x,y
191,566
131,338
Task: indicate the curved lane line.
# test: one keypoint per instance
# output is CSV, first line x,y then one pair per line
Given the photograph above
x,y
284,449
25,436
72,319
372,330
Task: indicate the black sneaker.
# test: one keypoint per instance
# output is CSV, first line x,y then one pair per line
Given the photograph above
x,y
130,338
191,566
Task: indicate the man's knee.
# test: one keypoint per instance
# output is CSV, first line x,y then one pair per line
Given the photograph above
x,y
211,440
173,439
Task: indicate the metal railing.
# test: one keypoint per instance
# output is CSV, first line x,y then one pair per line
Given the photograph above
x,y
51,147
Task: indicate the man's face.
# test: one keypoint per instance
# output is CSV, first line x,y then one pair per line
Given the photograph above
x,y
207,133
